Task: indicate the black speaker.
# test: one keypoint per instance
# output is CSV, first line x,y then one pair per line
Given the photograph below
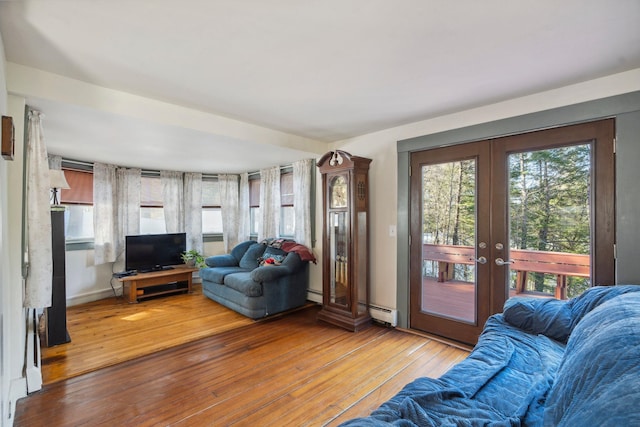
x,y
57,313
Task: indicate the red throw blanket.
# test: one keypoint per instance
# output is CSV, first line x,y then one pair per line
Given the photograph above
x,y
288,245
303,252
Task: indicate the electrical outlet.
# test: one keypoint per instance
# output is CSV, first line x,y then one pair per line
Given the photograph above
x,y
392,231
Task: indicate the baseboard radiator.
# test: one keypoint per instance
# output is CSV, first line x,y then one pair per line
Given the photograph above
x,y
386,316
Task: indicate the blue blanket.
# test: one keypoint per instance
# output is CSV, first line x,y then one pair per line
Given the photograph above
x,y
521,374
501,383
598,382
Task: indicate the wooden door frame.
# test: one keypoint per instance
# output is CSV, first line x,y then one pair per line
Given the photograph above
x,y
492,215
624,108
479,151
601,134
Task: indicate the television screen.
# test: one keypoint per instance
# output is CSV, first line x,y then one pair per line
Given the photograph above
x,y
149,252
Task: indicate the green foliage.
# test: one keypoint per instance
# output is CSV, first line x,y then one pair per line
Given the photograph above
x,y
449,203
194,257
549,206
549,203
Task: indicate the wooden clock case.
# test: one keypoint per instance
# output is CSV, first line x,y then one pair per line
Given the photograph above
x,y
345,249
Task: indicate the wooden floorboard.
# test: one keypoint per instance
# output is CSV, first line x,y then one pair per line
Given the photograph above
x,y
289,370
111,331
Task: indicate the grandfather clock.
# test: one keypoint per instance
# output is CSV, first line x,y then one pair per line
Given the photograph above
x,y
345,248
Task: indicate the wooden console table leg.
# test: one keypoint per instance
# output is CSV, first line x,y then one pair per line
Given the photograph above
x,y
133,292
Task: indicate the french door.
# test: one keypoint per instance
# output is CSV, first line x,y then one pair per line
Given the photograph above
x,y
530,214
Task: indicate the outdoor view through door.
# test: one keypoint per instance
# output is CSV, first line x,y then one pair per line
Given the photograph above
x,y
506,217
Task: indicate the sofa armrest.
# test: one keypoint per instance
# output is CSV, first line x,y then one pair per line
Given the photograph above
x,y
270,273
226,260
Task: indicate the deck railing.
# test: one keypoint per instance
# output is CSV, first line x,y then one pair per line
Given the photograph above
x,y
560,264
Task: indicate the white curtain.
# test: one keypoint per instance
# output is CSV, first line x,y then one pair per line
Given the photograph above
x,y
269,224
229,203
55,162
244,210
193,210
105,213
38,250
173,200
302,171
128,205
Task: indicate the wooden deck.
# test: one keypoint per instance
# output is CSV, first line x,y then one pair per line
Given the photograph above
x,y
455,299
449,299
443,295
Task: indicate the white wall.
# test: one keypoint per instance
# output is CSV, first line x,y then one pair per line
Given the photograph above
x,y
382,148
4,256
12,315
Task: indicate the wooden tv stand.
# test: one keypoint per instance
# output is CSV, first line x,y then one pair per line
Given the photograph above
x,y
146,285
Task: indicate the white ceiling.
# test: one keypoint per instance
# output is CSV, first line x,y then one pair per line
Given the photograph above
x,y
325,70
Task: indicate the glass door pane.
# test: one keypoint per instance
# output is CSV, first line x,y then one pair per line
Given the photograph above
x,y
448,240
338,250
550,221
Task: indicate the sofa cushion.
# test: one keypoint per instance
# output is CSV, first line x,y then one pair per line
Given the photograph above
x,y
240,249
250,259
243,283
598,380
550,317
225,260
554,318
218,274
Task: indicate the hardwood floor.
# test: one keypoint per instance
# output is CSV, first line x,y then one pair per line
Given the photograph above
x,y
288,370
111,331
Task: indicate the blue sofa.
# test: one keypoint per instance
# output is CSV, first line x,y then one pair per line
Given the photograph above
x,y
238,281
539,363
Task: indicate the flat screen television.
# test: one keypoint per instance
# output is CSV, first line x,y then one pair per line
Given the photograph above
x,y
152,252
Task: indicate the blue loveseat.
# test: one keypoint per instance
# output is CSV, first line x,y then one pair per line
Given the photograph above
x,y
539,363
238,280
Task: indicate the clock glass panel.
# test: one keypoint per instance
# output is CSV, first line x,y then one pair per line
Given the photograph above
x,y
338,192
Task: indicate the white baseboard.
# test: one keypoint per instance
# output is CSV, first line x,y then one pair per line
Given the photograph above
x,y
108,293
387,316
315,296
17,390
92,296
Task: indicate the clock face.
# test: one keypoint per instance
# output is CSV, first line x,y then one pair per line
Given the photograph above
x,y
338,192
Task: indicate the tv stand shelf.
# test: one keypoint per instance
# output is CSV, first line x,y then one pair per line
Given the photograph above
x,y
155,283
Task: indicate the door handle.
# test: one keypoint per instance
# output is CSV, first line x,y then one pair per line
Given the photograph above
x,y
500,261
481,260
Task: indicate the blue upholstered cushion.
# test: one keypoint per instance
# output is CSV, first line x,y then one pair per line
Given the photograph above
x,y
243,283
240,249
250,259
218,274
550,317
557,319
225,260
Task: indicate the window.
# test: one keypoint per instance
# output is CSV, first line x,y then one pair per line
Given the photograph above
x,y
254,204
79,203
211,211
287,212
151,210
78,200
